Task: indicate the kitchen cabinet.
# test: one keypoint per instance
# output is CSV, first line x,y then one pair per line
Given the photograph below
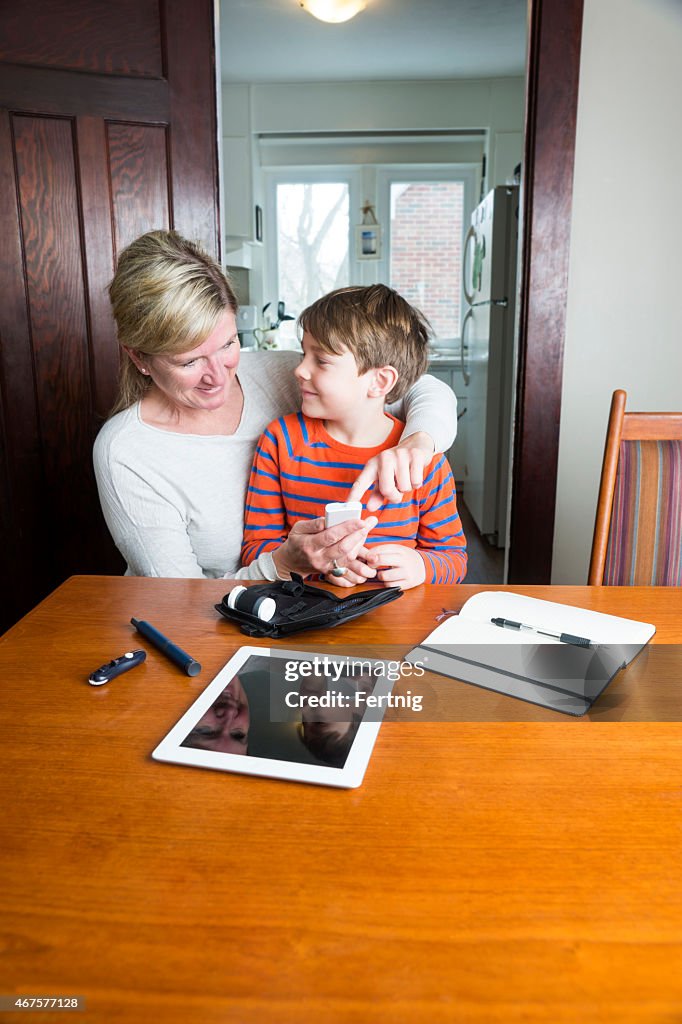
x,y
449,371
238,192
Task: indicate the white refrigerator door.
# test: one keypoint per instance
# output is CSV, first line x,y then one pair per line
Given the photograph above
x,y
483,417
484,334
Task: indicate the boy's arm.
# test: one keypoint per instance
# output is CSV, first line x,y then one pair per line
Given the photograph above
x,y
264,517
307,547
440,539
440,555
429,407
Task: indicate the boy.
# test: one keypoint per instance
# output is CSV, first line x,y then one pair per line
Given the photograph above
x,y
361,348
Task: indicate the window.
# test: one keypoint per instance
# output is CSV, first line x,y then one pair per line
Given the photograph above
x,y
311,218
426,249
427,212
312,215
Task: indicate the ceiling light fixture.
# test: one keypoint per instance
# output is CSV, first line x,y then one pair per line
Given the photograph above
x,y
333,11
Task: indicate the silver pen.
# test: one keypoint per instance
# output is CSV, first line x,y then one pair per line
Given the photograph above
x,y
565,638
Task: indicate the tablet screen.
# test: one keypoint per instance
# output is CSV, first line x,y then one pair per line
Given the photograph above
x,y
284,713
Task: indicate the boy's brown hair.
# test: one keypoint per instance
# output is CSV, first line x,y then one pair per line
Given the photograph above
x,y
377,325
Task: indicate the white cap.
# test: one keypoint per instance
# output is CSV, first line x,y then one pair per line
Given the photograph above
x,y
265,608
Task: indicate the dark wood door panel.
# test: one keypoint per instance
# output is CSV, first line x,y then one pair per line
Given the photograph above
x,y
24,546
99,255
52,250
44,91
122,38
89,159
48,210
551,111
139,174
193,152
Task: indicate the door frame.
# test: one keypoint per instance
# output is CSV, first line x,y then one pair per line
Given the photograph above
x,y
553,71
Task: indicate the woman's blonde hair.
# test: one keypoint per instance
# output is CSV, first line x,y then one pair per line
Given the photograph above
x,y
377,325
167,296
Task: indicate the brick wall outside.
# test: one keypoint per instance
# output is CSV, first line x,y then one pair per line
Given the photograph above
x,y
426,250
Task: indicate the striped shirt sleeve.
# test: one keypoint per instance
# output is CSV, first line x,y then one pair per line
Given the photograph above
x,y
264,515
440,539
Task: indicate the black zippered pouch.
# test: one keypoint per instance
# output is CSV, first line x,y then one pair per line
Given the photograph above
x,y
300,606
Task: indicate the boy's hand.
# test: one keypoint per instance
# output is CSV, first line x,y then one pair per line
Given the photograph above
x,y
310,548
396,471
403,567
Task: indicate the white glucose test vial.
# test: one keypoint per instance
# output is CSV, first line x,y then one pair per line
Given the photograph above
x,y
263,607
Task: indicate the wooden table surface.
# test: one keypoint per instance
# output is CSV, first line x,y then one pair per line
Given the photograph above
x,y
519,870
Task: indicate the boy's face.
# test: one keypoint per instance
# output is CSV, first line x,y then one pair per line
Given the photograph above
x,y
331,387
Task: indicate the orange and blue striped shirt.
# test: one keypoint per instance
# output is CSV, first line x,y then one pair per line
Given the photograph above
x,y
299,467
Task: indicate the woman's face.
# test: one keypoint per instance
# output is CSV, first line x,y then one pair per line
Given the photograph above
x,y
225,726
201,378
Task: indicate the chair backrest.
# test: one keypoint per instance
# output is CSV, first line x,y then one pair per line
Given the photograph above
x,y
638,528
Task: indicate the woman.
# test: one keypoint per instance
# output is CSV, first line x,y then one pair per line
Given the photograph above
x,y
172,463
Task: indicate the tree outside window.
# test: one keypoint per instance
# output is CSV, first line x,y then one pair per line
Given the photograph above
x,y
312,241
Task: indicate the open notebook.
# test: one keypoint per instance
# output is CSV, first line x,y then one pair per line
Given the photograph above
x,y
523,664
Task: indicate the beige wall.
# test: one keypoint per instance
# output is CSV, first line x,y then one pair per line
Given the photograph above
x,y
624,318
400,106
495,105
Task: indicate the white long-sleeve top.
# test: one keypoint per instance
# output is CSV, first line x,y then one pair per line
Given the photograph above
x,y
174,503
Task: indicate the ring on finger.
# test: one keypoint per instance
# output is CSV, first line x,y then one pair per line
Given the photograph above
x,y
338,570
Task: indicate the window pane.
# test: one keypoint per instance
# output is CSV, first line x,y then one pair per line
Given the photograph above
x,y
312,241
426,249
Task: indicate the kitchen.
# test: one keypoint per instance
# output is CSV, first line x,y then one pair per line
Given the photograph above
x,y
413,144
595,311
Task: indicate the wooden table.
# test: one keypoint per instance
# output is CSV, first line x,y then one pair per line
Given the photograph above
x,y
485,871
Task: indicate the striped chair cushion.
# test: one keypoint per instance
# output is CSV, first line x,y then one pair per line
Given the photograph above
x,y
645,540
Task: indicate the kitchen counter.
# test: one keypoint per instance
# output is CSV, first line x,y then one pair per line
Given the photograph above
x,y
446,359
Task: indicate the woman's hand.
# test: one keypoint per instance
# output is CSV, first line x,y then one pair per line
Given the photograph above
x,y
352,578
396,471
310,548
401,566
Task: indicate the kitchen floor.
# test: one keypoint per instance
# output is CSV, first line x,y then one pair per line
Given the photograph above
x,y
486,563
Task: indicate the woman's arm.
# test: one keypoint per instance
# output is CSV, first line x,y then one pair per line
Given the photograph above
x,y
429,407
430,411
441,552
148,531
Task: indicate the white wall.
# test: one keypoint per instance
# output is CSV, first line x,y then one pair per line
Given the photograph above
x,y
248,111
495,103
624,317
253,112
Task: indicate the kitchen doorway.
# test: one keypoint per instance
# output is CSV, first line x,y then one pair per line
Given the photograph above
x,y
548,152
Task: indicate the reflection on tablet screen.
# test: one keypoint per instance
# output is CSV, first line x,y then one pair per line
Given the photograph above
x,y
261,713
225,726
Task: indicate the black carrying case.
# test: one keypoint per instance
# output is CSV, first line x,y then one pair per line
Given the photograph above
x,y
302,606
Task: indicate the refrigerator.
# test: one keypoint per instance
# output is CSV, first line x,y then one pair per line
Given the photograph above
x,y
488,358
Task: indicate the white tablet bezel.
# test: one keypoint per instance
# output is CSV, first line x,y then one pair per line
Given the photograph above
x,y
350,776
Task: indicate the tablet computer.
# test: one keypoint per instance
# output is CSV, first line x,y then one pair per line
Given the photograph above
x,y
287,715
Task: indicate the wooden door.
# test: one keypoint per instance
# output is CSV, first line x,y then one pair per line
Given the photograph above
x,y
554,37
107,129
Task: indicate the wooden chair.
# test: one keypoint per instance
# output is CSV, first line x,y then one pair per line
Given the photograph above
x,y
638,528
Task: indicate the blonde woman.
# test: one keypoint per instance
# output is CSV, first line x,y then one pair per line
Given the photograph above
x,y
173,461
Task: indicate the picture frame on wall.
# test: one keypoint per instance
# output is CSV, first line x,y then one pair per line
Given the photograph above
x,y
368,242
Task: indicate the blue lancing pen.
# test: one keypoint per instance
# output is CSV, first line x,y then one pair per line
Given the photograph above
x,y
167,647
